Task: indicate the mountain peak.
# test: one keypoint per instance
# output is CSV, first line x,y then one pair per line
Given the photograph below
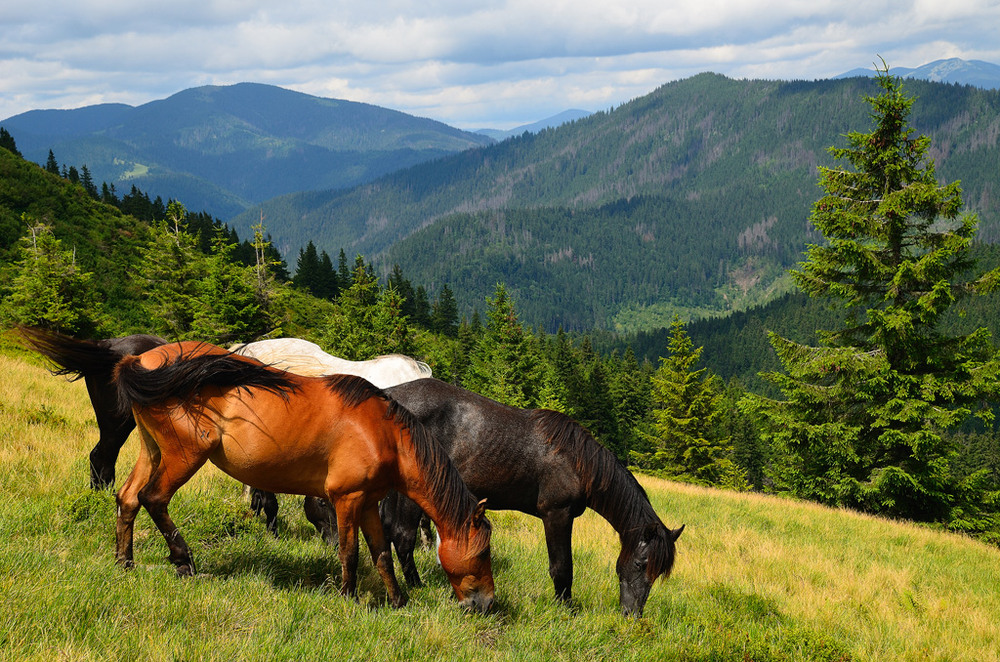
x,y
950,70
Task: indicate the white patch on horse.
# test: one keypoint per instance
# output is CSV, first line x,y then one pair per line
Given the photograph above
x,y
306,358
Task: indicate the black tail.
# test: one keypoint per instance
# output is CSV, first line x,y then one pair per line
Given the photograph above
x,y
186,376
73,356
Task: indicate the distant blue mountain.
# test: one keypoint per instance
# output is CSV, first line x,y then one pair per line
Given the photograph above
x,y
548,123
953,70
224,149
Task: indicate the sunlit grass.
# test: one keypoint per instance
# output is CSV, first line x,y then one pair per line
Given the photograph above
x,y
757,578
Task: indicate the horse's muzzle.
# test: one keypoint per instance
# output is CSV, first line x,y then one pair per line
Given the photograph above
x,y
480,602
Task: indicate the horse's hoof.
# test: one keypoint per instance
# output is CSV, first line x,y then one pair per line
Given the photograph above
x,y
400,601
125,564
185,570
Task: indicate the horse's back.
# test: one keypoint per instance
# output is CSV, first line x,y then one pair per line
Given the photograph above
x,y
496,448
160,355
134,344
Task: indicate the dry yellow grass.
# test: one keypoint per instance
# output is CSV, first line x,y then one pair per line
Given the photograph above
x,y
888,586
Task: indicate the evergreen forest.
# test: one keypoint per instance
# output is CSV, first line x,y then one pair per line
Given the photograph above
x,y
693,199
714,402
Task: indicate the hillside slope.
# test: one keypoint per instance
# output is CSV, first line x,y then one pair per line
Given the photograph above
x,y
712,180
225,148
756,577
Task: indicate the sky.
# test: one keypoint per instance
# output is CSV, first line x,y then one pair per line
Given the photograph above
x,y
471,64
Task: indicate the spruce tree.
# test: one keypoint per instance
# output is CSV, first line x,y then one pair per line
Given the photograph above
x,y
367,320
863,417
307,270
444,313
505,362
687,404
48,288
51,165
7,142
169,273
227,308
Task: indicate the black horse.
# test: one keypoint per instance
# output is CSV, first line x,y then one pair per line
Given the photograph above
x,y
94,362
542,463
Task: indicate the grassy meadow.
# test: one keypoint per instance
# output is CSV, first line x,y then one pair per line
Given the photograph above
x,y
757,578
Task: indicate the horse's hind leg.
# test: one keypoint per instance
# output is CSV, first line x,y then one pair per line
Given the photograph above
x,y
155,497
168,471
114,430
401,524
371,526
128,502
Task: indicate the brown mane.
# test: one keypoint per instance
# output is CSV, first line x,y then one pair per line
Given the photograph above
x,y
443,480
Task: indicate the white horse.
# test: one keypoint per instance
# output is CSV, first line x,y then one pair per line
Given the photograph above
x,y
308,359
305,358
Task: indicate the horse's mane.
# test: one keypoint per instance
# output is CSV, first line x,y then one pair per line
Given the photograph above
x,y
611,489
455,502
186,375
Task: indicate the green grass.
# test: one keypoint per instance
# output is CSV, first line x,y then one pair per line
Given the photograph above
x,y
757,578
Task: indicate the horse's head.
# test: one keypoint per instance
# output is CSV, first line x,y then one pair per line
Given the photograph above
x,y
465,558
641,563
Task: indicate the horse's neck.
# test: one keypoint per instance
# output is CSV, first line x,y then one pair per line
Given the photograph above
x,y
620,500
435,488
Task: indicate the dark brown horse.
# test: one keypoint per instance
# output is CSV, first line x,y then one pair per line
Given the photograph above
x,y
542,463
94,361
338,438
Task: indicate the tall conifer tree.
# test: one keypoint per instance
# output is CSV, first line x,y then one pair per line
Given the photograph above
x,y
862,420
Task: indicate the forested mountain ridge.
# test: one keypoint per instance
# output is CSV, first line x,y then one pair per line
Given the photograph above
x,y
225,148
693,198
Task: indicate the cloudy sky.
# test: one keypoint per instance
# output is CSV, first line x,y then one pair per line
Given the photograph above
x,y
469,63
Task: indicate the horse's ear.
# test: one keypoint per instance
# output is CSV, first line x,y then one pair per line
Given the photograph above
x,y
650,531
479,513
676,533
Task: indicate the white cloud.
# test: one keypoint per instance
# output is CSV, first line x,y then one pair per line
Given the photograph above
x,y
488,63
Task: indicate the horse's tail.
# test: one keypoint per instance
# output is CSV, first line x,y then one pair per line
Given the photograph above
x,y
72,356
186,376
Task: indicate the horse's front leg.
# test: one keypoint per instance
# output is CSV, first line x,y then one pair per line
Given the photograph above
x,y
558,539
348,520
371,526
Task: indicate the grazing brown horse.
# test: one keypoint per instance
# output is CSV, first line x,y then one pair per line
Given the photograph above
x,y
336,437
